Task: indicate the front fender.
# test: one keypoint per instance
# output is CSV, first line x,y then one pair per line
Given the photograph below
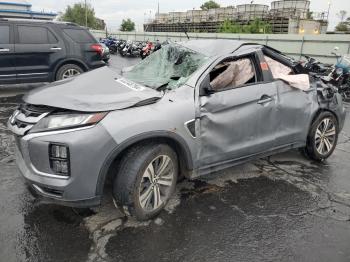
x,y
120,149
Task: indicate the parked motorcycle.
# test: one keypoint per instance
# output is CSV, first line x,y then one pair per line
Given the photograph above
x,y
147,50
121,44
111,43
315,66
150,48
340,74
337,74
131,49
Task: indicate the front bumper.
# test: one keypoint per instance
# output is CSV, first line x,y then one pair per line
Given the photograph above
x,y
48,199
89,147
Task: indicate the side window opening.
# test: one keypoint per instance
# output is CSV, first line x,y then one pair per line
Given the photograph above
x,y
79,36
233,74
4,34
277,68
52,38
33,35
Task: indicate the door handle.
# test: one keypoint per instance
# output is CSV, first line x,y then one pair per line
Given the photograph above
x,y
4,50
265,99
55,48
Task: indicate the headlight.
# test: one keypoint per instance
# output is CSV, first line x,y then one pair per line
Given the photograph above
x,y
339,71
54,122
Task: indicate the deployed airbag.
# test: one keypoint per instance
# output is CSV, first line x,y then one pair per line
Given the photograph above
x,y
237,74
301,81
280,71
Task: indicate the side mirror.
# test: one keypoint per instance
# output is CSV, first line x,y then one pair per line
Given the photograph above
x,y
336,48
205,87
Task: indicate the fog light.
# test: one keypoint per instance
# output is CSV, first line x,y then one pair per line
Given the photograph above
x,y
58,151
59,159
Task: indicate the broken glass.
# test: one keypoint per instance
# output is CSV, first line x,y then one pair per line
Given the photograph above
x,y
169,67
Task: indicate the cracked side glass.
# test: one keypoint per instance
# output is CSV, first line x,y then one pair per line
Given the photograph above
x,y
168,68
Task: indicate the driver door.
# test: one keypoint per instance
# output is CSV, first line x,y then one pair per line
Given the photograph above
x,y
236,121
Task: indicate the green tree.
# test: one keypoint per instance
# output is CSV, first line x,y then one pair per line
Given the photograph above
x,y
343,26
342,15
76,14
210,5
256,26
230,27
127,25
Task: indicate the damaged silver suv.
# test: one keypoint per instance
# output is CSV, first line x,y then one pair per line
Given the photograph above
x,y
187,110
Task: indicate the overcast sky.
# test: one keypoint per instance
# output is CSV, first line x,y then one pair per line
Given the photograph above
x,y
113,11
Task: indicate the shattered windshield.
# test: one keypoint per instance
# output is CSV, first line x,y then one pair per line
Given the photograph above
x,y
168,68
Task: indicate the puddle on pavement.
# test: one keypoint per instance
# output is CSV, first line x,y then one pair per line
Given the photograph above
x,y
7,106
242,212
277,190
54,233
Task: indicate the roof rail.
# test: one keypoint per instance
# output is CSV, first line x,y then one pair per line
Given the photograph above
x,y
38,21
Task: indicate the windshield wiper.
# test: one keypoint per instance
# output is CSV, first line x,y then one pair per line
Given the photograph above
x,y
163,87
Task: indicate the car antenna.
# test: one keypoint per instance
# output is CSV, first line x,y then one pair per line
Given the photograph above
x,y
184,30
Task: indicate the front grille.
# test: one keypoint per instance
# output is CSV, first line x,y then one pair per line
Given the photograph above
x,y
25,117
34,110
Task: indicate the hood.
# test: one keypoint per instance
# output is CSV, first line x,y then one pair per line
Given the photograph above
x,y
96,91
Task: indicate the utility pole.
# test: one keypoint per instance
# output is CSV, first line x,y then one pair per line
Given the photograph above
x,y
329,9
86,15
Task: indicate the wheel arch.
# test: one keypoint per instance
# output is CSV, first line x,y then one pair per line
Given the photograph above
x,y
318,112
314,117
176,142
74,61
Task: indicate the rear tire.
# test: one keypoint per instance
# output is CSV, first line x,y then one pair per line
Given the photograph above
x,y
146,180
67,71
323,137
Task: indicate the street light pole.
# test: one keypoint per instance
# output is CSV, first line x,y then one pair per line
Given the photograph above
x,y
86,15
329,9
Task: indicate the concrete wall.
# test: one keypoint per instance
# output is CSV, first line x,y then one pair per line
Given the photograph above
x,y
318,46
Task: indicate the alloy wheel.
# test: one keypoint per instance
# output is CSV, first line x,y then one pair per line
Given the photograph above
x,y
325,136
156,183
70,73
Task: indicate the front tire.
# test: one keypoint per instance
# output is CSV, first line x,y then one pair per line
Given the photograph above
x,y
323,137
68,71
146,180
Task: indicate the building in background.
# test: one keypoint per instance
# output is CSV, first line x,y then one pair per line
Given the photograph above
x,y
284,16
23,10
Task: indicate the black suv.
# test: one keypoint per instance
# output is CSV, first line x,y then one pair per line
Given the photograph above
x,y
42,51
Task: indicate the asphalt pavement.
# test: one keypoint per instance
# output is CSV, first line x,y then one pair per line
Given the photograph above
x,y
282,208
